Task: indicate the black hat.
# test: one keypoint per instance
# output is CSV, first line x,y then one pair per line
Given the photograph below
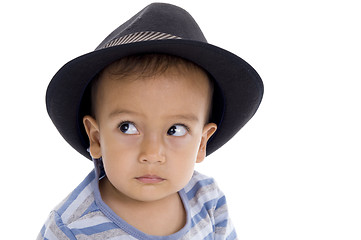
x,y
158,28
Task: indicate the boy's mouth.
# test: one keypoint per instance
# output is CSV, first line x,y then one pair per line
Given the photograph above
x,y
150,179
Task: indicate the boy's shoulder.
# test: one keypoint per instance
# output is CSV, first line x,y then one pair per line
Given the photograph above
x,y
79,204
202,189
200,180
78,214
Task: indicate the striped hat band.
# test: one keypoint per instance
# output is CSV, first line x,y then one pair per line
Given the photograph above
x,y
139,37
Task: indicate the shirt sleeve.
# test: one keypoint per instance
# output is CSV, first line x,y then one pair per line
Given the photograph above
x,y
55,229
224,228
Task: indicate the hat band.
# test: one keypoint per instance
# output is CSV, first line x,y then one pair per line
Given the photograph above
x,y
139,37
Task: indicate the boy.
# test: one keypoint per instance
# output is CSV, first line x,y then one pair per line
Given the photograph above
x,y
153,99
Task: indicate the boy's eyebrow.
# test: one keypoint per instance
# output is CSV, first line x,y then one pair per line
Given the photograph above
x,y
118,112
188,117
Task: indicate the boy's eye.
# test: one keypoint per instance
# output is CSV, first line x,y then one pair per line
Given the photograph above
x,y
128,128
177,130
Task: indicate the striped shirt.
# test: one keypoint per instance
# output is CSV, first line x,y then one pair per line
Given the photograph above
x,y
83,215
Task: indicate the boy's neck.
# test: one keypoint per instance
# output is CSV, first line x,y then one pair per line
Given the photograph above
x,y
163,217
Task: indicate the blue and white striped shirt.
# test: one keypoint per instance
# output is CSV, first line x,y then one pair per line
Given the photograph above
x,y
83,215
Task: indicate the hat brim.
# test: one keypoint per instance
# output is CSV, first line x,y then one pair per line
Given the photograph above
x,y
240,86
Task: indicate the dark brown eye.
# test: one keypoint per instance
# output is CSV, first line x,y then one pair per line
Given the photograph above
x,y
177,130
128,128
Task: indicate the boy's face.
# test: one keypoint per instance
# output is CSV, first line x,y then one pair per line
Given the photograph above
x,y
150,131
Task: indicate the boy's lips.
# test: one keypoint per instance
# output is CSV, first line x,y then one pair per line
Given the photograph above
x,y
150,179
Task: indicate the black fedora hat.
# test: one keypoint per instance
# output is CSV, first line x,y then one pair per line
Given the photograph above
x,y
158,28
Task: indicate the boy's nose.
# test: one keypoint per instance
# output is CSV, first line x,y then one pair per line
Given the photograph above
x,y
152,151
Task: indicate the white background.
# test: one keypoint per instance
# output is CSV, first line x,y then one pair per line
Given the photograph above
x,y
293,172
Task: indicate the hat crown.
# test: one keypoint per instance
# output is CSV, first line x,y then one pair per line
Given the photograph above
x,y
159,18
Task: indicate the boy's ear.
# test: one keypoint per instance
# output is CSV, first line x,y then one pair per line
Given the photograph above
x,y
208,130
92,130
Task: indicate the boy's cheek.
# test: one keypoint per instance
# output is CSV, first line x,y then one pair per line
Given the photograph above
x,y
185,147
176,143
117,140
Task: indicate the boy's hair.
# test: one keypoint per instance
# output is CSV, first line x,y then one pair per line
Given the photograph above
x,y
143,66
